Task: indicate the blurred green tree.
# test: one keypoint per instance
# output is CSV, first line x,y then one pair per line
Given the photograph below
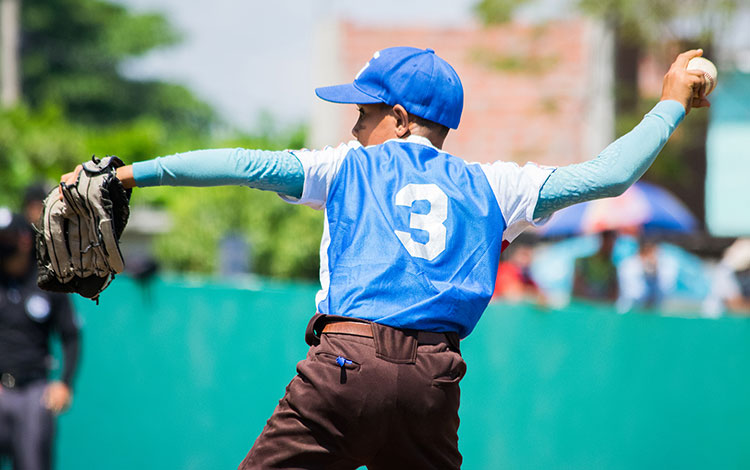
x,y
283,238
76,101
72,53
33,146
38,145
497,11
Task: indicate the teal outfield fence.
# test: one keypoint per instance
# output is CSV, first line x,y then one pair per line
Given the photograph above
x,y
181,374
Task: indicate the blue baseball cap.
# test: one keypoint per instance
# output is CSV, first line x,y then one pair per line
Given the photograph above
x,y
417,79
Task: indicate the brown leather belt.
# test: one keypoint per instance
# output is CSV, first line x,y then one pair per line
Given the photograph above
x,y
355,328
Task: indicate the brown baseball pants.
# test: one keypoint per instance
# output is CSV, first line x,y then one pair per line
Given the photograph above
x,y
389,401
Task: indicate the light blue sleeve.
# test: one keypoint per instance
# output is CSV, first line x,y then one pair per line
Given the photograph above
x,y
616,168
268,170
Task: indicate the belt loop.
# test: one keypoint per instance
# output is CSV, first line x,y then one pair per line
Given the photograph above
x,y
312,332
394,345
454,341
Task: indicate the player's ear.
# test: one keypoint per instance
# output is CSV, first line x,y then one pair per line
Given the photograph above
x,y
402,121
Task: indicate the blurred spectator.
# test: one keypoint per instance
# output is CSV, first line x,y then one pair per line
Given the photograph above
x,y
646,278
595,276
729,285
28,316
33,202
514,282
141,267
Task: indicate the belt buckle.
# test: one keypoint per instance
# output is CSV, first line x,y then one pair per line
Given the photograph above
x,y
7,380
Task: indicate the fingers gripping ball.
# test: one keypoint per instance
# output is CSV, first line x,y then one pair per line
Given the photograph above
x,y
78,238
709,70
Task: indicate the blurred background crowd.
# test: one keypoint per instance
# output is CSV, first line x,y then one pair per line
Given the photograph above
x,y
640,251
631,272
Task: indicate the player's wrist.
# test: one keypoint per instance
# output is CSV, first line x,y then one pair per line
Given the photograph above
x,y
671,110
125,175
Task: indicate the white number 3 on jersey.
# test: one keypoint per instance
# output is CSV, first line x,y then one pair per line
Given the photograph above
x,y
431,222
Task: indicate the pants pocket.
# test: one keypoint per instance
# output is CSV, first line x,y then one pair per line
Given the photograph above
x,y
454,372
344,364
337,360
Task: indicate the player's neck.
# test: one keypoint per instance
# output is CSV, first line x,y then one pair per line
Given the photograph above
x,y
435,139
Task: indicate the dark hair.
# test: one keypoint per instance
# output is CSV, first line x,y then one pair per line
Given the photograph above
x,y
432,126
439,129
12,229
35,192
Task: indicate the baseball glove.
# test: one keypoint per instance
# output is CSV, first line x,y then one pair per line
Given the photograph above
x,y
78,237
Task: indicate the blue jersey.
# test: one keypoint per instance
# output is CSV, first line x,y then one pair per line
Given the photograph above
x,y
413,235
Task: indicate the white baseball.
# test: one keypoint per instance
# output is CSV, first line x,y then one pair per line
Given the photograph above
x,y
709,70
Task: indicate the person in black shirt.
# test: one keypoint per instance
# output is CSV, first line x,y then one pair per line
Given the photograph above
x,y
28,317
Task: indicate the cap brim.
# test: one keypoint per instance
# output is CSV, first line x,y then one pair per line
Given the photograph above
x,y
347,93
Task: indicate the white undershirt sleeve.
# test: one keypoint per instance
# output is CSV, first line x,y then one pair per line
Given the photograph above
x,y
320,168
516,190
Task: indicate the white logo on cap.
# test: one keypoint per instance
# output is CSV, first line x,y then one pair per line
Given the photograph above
x,y
38,307
376,55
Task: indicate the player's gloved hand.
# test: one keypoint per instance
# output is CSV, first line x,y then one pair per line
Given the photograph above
x,y
79,233
683,85
56,397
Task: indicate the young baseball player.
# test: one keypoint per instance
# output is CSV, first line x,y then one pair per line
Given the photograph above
x,y
409,255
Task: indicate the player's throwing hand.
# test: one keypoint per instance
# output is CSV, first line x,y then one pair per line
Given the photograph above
x,y
683,85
